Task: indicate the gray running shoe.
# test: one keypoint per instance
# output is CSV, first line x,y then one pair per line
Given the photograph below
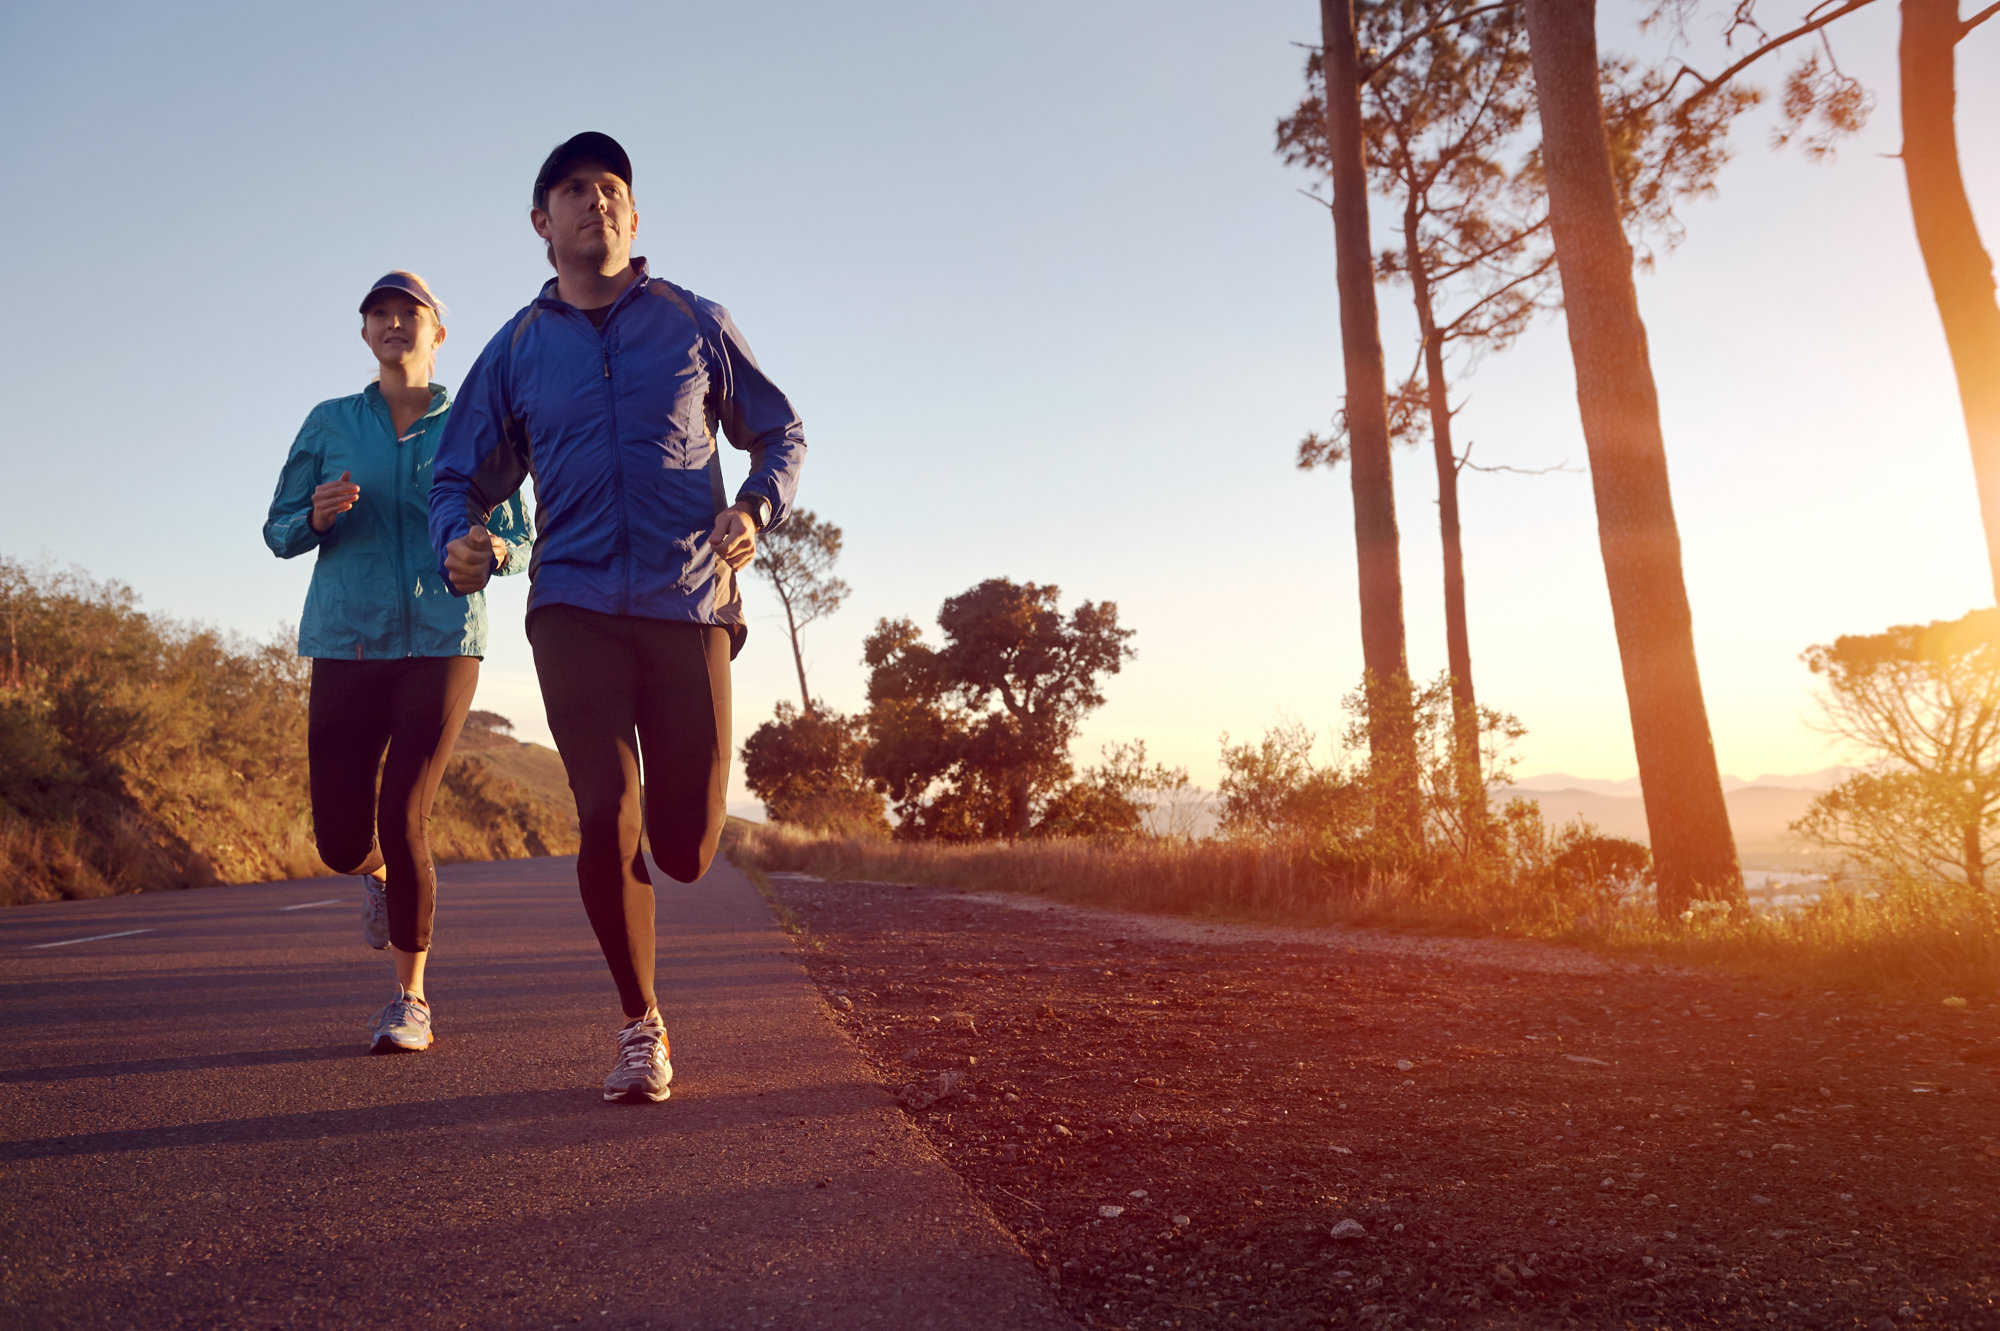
x,y
643,1070
374,913
403,1025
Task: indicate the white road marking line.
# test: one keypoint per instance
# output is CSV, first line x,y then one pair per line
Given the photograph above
x,y
94,938
308,905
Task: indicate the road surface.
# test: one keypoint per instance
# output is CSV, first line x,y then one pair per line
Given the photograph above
x,y
192,1135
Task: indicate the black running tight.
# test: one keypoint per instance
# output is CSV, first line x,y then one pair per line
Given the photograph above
x,y
621,690
413,708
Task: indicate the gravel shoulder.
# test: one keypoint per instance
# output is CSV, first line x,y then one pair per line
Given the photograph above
x,y
1201,1125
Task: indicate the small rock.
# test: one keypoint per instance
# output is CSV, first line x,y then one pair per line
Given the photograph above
x,y
844,1003
1111,1212
1503,1274
1182,1222
1136,1192
1062,1131
1340,1150
1609,1183
1011,1098
946,1085
1748,1155
1650,1199
1954,1002
1594,1062
1759,1201
1009,1154
1907,1313
915,1099
1349,1229
1137,1120
1882,1323
1404,1065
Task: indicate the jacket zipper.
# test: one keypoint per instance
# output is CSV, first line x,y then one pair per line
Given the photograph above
x,y
617,466
402,568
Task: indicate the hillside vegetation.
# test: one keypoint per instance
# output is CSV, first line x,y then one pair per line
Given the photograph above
x,y
139,753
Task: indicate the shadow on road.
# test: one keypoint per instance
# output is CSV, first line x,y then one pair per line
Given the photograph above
x,y
248,1058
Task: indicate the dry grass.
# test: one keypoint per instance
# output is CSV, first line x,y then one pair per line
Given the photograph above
x,y
1908,942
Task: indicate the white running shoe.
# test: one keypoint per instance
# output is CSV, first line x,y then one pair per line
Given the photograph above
x,y
643,1071
402,1026
374,913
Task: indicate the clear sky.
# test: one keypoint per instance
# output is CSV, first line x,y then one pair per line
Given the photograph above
x,y
1048,306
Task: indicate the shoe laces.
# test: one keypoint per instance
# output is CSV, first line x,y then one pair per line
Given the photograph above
x,y
402,1008
640,1044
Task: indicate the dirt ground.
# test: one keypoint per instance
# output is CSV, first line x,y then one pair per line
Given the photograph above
x,y
1200,1126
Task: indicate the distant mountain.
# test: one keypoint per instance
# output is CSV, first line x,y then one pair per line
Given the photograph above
x,y
1824,779
1759,815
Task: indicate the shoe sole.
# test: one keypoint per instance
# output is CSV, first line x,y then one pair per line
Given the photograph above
x,y
636,1096
382,1044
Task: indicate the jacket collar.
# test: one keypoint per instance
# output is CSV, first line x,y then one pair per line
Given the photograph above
x,y
548,299
440,399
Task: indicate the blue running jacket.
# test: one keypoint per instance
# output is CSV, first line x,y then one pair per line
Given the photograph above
x,y
376,594
618,430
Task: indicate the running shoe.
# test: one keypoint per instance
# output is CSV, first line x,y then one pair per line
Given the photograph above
x,y
403,1025
374,913
643,1070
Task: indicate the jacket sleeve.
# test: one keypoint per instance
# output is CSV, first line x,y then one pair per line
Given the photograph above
x,y
483,456
288,528
510,522
757,417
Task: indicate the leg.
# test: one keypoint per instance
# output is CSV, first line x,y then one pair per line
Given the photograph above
x,y
684,741
590,671
428,705
347,727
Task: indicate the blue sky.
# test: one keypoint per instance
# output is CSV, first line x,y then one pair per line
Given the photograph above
x,y
1047,303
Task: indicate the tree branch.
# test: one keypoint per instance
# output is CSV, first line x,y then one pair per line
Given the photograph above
x,y
1711,85
1369,72
1978,19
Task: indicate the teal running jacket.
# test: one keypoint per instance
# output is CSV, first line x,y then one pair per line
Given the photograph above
x,y
376,591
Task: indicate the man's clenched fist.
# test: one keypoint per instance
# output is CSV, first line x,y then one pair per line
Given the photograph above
x,y
470,560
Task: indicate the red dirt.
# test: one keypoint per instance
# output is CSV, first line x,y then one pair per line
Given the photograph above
x,y
1586,1144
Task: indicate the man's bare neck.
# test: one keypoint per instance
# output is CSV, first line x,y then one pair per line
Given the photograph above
x,y
588,289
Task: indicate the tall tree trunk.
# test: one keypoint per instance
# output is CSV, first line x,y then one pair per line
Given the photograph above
x,y
1693,851
1960,270
1975,855
1392,744
798,657
1469,782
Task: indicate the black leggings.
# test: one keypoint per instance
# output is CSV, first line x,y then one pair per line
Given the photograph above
x,y
618,687
414,708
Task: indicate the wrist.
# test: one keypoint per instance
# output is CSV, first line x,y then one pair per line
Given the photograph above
x,y
756,508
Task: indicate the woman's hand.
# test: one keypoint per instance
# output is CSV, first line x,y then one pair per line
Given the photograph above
x,y
734,538
331,500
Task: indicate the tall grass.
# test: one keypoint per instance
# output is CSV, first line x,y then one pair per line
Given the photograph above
x,y
1910,940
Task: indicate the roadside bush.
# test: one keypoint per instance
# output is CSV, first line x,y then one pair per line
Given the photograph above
x,y
806,768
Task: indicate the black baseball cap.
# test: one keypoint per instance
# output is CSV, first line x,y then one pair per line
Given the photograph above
x,y
589,145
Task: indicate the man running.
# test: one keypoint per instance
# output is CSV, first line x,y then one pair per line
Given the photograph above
x,y
607,389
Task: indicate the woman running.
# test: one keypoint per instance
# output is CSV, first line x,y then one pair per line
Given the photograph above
x,y
395,656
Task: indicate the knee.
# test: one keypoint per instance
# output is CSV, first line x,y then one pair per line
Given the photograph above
x,y
684,865
346,854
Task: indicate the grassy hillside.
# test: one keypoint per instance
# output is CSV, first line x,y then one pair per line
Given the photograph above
x,y
138,753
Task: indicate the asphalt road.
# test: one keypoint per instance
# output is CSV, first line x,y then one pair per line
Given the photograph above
x,y
192,1135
